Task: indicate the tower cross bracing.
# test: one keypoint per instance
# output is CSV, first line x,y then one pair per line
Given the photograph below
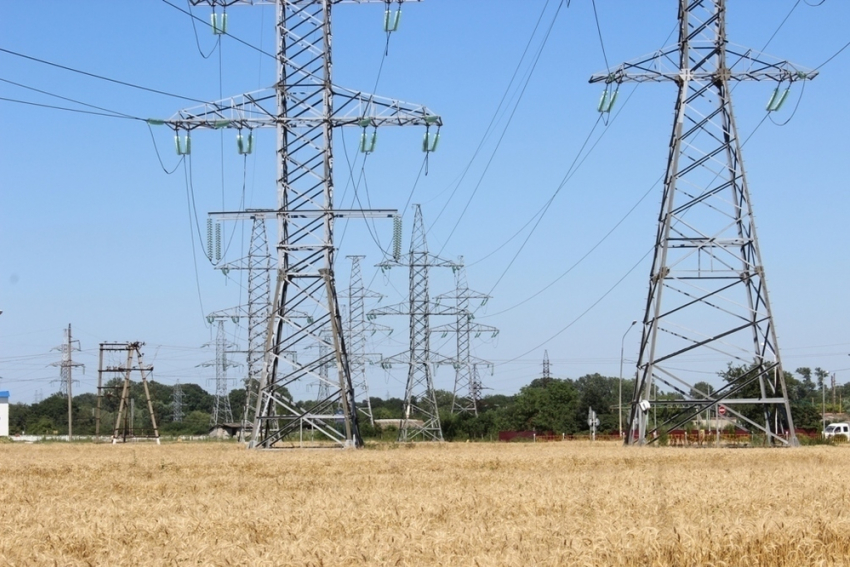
x,y
707,301
305,107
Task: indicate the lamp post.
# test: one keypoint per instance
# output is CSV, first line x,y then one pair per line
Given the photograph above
x,y
622,345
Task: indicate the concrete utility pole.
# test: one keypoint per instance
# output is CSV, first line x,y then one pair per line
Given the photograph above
x,y
707,291
66,380
305,107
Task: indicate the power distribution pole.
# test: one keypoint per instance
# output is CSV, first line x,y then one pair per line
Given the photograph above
x,y
707,293
420,402
467,390
305,107
126,403
65,379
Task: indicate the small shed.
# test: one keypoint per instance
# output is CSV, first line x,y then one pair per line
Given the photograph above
x,y
4,414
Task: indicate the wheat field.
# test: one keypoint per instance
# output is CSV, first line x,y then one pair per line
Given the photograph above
x,y
568,503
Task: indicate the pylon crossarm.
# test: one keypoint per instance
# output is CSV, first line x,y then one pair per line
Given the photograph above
x,y
352,108
663,65
226,3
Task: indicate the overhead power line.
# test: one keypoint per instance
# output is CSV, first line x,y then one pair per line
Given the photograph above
x,y
100,77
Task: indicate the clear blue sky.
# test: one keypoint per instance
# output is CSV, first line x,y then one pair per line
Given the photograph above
x,y
94,233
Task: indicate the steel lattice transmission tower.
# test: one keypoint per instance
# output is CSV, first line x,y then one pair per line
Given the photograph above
x,y
707,296
66,367
357,329
221,412
258,264
304,107
467,389
177,402
547,370
420,402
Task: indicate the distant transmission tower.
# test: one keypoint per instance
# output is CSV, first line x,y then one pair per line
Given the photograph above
x,y
65,368
420,402
467,390
358,327
177,402
258,264
707,293
221,412
547,372
305,107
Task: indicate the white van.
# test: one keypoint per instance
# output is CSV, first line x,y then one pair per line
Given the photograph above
x,y
837,430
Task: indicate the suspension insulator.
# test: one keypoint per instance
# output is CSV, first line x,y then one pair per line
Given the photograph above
x,y
217,241
245,144
396,237
219,23
209,238
391,20
183,144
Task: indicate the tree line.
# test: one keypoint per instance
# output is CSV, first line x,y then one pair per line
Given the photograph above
x,y
556,405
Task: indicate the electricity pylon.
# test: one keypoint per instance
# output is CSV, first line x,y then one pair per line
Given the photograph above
x,y
357,328
547,369
420,401
258,264
707,296
177,402
221,412
65,367
467,390
305,107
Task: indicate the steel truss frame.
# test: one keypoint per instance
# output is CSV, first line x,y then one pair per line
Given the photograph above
x,y
304,107
707,295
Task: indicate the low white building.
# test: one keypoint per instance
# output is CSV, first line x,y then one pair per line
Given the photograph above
x,y
4,414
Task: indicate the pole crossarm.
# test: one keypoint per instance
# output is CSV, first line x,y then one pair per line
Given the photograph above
x,y
663,65
255,110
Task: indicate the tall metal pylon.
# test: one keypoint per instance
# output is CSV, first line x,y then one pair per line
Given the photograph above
x,y
65,370
708,300
468,387
547,369
305,107
258,264
420,401
177,402
221,411
357,328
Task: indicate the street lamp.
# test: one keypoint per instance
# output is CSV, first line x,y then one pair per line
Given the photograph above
x,y
622,345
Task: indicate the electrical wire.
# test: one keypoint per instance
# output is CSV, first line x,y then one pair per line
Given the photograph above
x,y
101,77
243,42
588,310
494,119
833,56
197,39
66,109
599,32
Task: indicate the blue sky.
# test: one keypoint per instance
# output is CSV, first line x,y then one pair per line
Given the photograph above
x,y
94,233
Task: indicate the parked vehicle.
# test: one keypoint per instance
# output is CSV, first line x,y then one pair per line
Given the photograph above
x,y
837,430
